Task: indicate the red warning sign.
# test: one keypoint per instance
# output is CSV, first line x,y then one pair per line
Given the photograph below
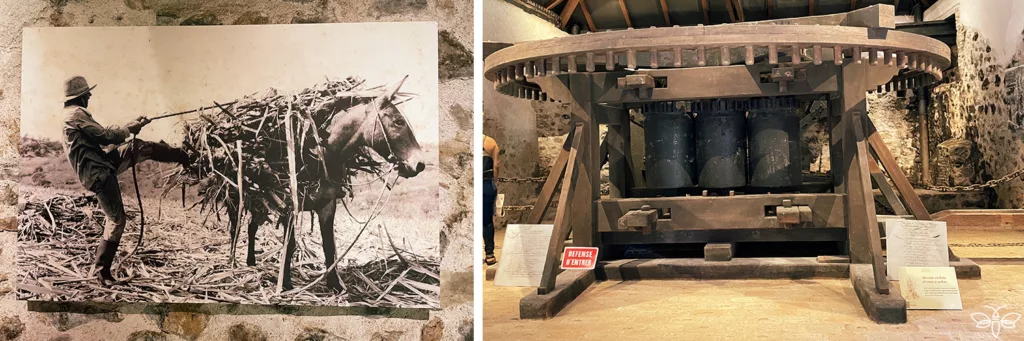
x,y
579,258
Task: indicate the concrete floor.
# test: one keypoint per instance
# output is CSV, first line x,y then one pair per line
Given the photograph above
x,y
817,309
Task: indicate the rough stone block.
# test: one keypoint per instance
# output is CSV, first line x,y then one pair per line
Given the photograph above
x,y
718,252
891,308
569,285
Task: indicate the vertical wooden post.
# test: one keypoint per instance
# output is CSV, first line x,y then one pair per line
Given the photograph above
x,y
835,133
586,186
293,182
922,102
862,223
563,221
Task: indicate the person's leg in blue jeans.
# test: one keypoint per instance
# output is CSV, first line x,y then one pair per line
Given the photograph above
x,y
490,195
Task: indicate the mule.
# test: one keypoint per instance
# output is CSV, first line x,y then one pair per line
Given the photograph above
x,y
377,124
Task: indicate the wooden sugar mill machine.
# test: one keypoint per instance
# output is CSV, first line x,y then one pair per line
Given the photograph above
x,y
722,148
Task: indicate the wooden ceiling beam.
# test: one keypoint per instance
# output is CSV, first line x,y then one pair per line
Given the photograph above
x,y
738,7
728,8
704,7
771,7
810,7
586,15
553,4
853,4
567,12
625,13
664,10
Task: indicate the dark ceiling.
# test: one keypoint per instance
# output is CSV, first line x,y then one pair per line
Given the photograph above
x,y
609,14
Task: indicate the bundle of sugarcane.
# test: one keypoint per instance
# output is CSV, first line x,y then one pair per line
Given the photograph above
x,y
248,138
182,263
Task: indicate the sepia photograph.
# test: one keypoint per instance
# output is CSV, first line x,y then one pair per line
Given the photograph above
x,y
273,164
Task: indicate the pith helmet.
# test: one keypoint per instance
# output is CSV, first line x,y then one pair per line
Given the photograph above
x,y
76,86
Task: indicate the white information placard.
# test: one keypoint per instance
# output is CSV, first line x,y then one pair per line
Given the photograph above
x,y
930,288
915,243
522,255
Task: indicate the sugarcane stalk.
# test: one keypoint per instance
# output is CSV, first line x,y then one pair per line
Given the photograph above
x,y
293,183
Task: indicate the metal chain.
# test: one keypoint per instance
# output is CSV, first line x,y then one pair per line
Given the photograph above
x,y
517,208
977,187
520,180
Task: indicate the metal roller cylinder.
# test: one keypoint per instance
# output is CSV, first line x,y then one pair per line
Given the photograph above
x,y
721,144
668,140
774,134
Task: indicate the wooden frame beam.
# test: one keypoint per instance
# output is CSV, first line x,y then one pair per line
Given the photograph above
x,y
728,8
770,6
540,208
562,225
567,12
810,7
586,15
553,4
664,11
625,13
704,8
737,6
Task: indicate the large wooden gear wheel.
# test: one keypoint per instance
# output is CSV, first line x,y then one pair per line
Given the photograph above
x,y
513,70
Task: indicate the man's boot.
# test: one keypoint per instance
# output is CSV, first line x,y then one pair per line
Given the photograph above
x,y
104,259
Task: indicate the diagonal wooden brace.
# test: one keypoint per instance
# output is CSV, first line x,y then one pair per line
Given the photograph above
x,y
562,221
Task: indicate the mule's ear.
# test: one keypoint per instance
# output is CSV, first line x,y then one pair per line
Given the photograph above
x,y
398,86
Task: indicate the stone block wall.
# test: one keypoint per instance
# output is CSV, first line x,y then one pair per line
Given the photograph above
x,y
23,321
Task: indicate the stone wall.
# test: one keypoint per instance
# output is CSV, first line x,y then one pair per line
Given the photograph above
x,y
517,124
978,108
22,321
982,104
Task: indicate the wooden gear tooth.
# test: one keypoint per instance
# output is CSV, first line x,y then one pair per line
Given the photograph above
x,y
837,54
541,68
857,55
590,62
888,58
701,56
677,57
631,59
519,72
609,63
725,55
556,66
572,63
773,54
817,54
750,55
528,69
654,58
901,59
873,57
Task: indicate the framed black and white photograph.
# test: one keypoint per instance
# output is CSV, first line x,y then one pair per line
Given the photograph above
x,y
291,164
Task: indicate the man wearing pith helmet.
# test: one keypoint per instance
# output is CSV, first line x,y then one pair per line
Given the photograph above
x,y
97,168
